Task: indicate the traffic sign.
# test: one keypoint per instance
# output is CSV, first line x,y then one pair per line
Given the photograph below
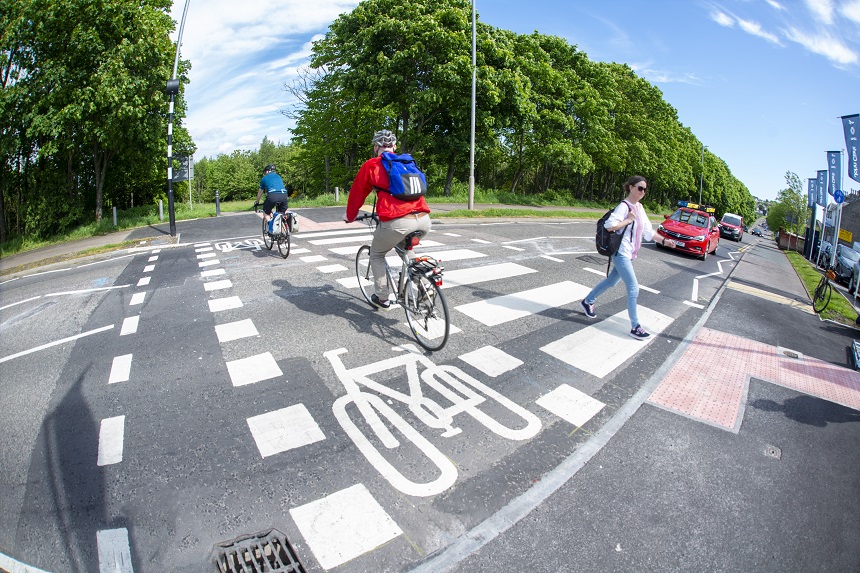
x,y
838,196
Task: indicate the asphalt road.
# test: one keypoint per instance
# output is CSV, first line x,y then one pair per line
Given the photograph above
x,y
159,403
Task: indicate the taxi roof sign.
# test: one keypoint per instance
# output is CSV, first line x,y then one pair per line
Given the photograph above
x,y
689,205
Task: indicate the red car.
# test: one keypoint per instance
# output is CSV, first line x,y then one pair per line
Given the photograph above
x,y
693,228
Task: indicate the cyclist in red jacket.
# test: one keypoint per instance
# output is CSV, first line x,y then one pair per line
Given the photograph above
x,y
397,218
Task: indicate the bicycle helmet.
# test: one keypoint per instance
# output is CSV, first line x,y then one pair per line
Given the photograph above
x,y
384,138
269,168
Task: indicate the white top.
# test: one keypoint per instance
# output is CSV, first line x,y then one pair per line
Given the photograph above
x,y
641,230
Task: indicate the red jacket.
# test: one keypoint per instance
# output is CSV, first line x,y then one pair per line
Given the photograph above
x,y
372,174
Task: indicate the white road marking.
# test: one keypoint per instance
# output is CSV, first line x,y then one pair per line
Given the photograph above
x,y
693,304
205,249
648,289
148,268
482,241
236,330
86,290
217,285
571,404
55,343
525,240
253,369
513,248
595,271
19,302
602,348
314,259
120,370
349,251
212,273
202,244
153,259
332,268
365,238
344,525
228,303
455,255
111,432
156,251
207,256
208,263
144,281
299,251
13,566
482,274
552,258
114,551
284,429
129,325
491,361
137,298
452,234
509,307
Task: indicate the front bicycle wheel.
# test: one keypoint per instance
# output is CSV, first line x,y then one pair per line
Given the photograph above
x,y
284,243
268,240
363,272
426,312
822,296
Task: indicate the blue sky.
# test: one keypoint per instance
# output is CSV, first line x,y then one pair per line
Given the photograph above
x,y
761,82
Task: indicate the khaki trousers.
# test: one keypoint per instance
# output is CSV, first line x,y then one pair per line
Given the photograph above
x,y
389,234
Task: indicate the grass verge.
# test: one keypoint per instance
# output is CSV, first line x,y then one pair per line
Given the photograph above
x,y
840,308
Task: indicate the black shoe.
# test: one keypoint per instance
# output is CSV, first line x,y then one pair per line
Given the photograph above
x,y
588,309
639,333
384,305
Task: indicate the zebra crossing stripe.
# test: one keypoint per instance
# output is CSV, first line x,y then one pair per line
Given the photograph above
x,y
462,277
509,307
602,348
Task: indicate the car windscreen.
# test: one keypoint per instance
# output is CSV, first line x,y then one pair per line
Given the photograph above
x,y
732,220
691,217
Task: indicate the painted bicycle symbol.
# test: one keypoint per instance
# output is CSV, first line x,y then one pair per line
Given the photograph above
x,y
372,399
252,244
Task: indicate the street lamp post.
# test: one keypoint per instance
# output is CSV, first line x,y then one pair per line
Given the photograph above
x,y
172,91
472,141
702,174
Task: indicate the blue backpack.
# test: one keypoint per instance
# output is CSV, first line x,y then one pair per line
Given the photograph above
x,y
405,181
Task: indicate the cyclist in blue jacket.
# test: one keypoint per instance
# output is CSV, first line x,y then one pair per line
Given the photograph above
x,y
275,191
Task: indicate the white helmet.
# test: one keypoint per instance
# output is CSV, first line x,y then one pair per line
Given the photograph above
x,y
384,138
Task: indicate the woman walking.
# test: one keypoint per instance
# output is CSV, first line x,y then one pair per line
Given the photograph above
x,y
628,212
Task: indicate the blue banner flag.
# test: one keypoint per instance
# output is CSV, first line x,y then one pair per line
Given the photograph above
x,y
834,170
811,193
821,187
852,144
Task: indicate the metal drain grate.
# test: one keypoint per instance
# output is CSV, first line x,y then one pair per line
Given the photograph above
x,y
266,552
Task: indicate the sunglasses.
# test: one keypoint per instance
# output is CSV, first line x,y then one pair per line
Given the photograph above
x,y
641,188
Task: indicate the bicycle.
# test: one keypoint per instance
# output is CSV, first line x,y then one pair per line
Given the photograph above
x,y
449,385
823,292
417,288
281,218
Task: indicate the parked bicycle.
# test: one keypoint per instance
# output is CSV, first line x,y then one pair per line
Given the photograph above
x,y
277,230
416,287
823,292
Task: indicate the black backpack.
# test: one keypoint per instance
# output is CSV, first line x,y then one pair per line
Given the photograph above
x,y
608,242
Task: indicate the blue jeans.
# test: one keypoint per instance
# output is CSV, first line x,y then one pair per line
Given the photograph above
x,y
622,270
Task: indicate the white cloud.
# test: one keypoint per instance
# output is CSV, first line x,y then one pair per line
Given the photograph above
x,y
824,44
776,5
851,10
821,9
240,60
723,19
755,29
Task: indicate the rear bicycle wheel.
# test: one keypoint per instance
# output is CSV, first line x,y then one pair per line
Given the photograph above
x,y
426,313
822,296
268,240
284,242
363,272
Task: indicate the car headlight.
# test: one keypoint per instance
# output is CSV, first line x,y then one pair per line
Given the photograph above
x,y
661,228
699,238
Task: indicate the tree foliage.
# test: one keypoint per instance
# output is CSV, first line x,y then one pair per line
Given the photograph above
x,y
83,111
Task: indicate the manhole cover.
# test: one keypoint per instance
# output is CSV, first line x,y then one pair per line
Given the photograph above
x,y
773,452
266,552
